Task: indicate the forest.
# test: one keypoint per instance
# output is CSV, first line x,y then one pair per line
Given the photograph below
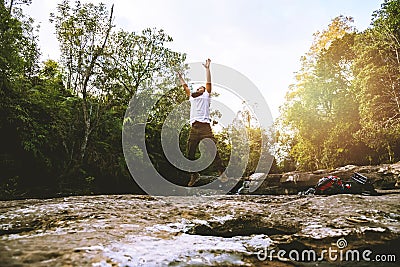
x,y
61,119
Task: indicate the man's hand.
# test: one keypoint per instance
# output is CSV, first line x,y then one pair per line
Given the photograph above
x,y
207,65
180,76
208,75
183,83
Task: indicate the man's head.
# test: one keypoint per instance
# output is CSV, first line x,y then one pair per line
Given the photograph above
x,y
199,91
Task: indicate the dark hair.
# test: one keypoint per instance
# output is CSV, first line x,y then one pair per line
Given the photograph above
x,y
196,94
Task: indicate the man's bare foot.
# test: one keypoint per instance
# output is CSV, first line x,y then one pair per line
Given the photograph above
x,y
222,177
194,177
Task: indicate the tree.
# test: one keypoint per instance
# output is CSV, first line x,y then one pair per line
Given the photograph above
x,y
140,66
142,62
12,3
319,108
18,66
18,46
83,32
377,78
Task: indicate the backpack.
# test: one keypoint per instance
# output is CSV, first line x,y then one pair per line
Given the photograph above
x,y
358,184
329,185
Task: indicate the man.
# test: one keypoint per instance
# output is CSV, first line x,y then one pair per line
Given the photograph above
x,y
200,120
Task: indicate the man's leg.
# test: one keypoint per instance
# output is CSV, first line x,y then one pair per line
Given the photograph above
x,y
217,161
207,133
192,144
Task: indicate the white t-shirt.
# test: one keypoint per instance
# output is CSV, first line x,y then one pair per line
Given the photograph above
x,y
200,108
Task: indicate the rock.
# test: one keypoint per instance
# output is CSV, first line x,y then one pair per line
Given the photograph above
x,y
395,168
232,230
385,177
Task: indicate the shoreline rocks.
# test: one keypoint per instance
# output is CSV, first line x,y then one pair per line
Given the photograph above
x,y
382,177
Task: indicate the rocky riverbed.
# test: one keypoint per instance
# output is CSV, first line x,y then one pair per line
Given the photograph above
x,y
231,230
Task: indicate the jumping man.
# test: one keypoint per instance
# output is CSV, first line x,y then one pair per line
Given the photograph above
x,y
200,120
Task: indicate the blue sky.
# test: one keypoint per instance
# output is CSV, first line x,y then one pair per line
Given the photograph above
x,y
262,39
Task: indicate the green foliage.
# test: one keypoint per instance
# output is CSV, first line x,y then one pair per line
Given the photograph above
x,y
21,124
142,62
83,32
344,107
61,122
18,48
320,105
377,78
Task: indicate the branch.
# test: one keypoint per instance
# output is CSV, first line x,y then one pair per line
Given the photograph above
x,y
97,53
10,7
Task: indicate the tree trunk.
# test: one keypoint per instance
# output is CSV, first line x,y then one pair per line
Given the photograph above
x,y
87,114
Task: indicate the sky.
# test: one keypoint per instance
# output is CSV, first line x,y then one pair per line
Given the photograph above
x,y
261,39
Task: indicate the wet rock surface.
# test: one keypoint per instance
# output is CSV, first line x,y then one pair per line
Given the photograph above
x,y
130,230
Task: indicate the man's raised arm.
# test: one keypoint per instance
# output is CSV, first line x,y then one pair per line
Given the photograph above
x,y
208,75
184,84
